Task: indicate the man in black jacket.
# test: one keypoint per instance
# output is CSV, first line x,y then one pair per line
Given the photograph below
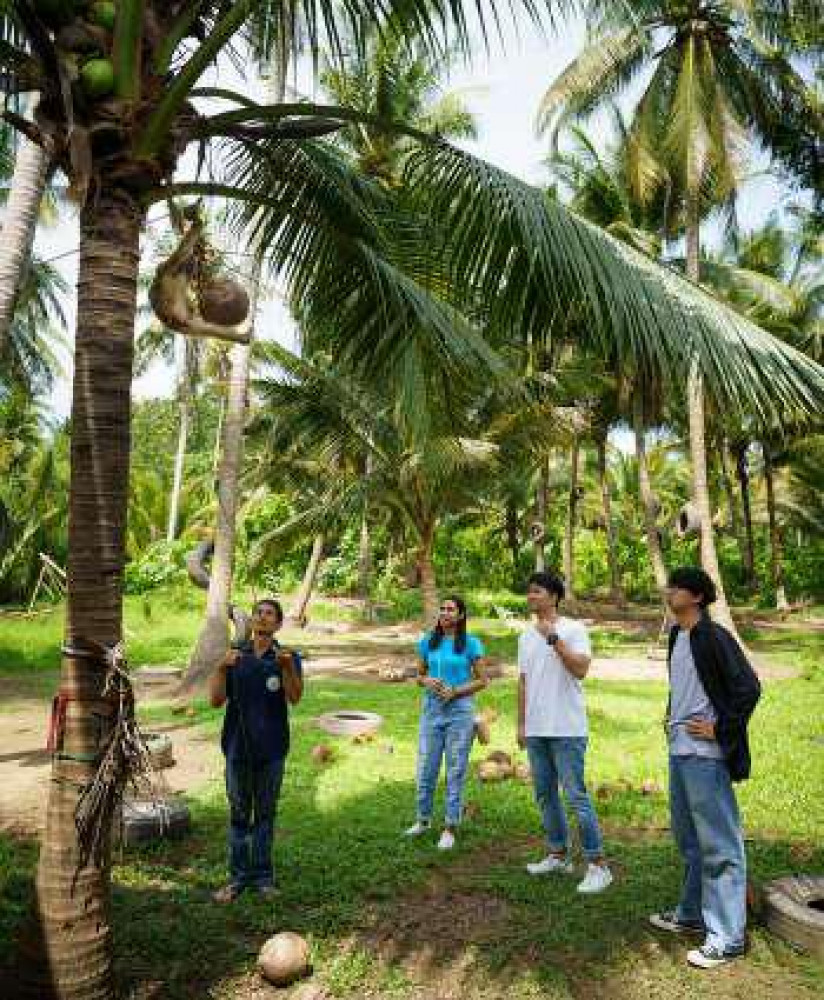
x,y
713,691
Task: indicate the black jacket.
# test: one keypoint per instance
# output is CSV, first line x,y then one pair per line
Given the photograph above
x,y
731,685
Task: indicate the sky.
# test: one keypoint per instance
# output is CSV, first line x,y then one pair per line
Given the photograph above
x,y
502,88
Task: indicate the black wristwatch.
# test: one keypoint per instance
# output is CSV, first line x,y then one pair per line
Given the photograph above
x,y
552,638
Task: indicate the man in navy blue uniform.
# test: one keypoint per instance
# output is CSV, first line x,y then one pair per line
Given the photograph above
x,y
257,683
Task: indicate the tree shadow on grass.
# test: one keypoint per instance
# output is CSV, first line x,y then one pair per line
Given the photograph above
x,y
393,917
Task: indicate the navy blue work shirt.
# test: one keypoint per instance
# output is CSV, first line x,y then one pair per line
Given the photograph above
x,y
256,723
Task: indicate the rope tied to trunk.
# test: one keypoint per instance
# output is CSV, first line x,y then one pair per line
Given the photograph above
x,y
123,759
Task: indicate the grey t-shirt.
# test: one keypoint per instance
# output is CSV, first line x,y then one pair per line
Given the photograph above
x,y
688,700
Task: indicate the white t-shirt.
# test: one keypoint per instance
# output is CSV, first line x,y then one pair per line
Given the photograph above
x,y
554,698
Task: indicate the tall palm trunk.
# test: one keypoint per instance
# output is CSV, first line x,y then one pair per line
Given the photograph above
x,y
776,541
74,906
297,612
512,539
542,505
743,473
183,408
19,226
736,526
213,639
365,563
572,513
214,636
650,507
426,568
616,591
698,448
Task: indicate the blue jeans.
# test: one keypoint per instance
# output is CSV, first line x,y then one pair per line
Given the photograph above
x,y
446,730
707,830
558,760
252,790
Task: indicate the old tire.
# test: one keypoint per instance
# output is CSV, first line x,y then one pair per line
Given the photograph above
x,y
349,723
144,820
794,910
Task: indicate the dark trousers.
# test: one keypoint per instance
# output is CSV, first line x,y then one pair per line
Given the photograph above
x,y
252,790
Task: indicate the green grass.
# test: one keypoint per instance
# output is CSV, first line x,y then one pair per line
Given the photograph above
x,y
343,868
392,919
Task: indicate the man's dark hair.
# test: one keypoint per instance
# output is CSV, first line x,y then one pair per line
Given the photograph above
x,y
696,581
272,603
550,582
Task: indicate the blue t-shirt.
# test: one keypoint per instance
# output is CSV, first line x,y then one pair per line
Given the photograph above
x,y
256,724
445,664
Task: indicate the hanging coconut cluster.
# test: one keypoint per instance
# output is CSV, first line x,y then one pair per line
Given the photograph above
x,y
83,34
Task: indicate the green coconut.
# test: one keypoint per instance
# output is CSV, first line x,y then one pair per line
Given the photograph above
x,y
103,12
97,78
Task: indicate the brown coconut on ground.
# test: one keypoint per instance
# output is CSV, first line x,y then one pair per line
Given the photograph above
x,y
284,958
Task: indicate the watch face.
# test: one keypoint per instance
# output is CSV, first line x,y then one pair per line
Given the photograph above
x,y
273,683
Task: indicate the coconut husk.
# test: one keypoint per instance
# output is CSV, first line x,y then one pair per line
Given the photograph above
x,y
284,958
224,302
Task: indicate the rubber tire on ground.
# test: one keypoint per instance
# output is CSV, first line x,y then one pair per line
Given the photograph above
x,y
349,722
788,913
144,820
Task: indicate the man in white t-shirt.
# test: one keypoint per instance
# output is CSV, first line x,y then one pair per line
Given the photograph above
x,y
553,658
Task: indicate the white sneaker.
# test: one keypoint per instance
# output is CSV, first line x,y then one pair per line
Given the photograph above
x,y
550,864
420,827
447,841
597,878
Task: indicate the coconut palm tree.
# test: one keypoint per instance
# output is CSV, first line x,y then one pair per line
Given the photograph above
x,y
350,257
20,213
29,352
714,85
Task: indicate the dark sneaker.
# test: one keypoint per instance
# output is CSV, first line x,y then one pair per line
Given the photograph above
x,y
668,920
707,957
227,894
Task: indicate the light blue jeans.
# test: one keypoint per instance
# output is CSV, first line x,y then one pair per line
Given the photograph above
x,y
707,830
558,760
446,731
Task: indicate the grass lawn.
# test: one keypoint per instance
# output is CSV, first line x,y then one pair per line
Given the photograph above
x,y
391,919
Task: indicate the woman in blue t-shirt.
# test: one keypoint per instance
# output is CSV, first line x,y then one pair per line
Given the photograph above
x,y
451,671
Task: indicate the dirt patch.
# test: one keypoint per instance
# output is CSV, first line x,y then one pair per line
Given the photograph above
x,y
25,765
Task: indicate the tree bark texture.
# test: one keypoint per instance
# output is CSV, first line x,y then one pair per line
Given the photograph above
x,y
616,590
426,568
776,539
73,907
297,612
698,449
742,471
571,522
650,508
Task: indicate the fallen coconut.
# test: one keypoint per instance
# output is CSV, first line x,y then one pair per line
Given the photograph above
x,y
490,770
500,757
322,753
284,958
